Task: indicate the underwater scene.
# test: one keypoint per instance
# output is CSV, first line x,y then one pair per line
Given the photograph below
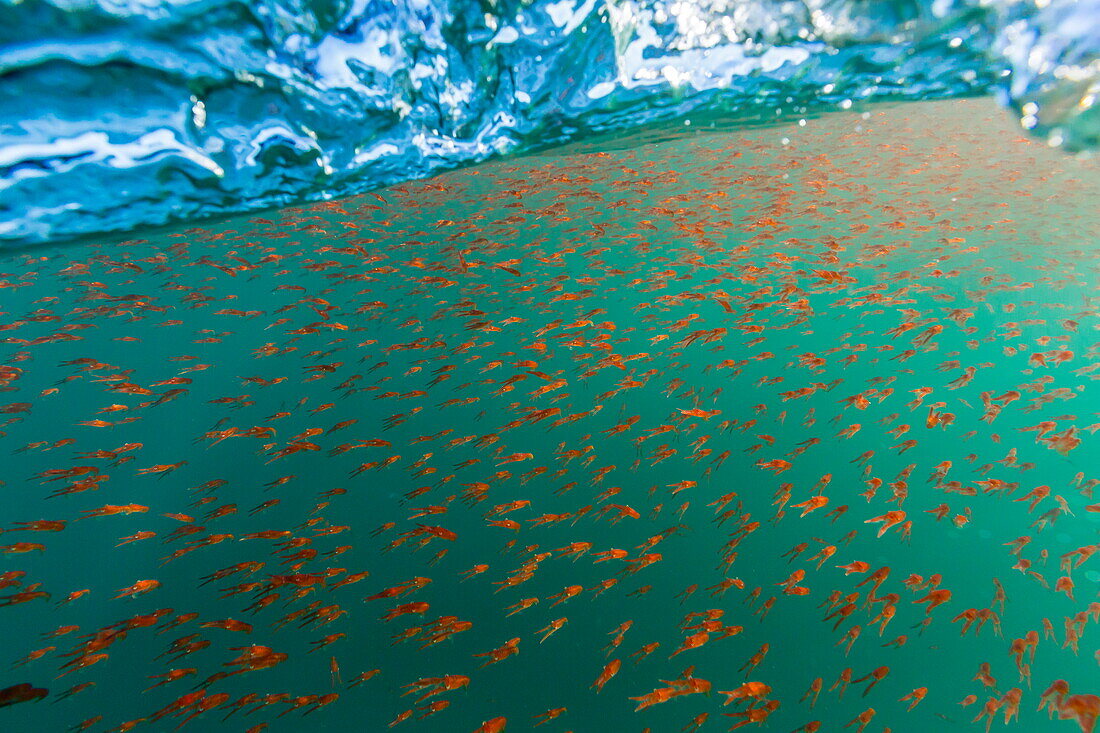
x,y
697,428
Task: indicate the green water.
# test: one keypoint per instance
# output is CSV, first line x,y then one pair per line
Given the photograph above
x,y
597,263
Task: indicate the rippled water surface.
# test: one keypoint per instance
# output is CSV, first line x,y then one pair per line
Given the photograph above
x,y
122,114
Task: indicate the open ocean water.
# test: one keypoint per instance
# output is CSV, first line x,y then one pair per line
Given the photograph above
x,y
302,466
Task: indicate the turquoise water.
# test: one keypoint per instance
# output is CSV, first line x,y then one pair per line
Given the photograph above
x,y
762,280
